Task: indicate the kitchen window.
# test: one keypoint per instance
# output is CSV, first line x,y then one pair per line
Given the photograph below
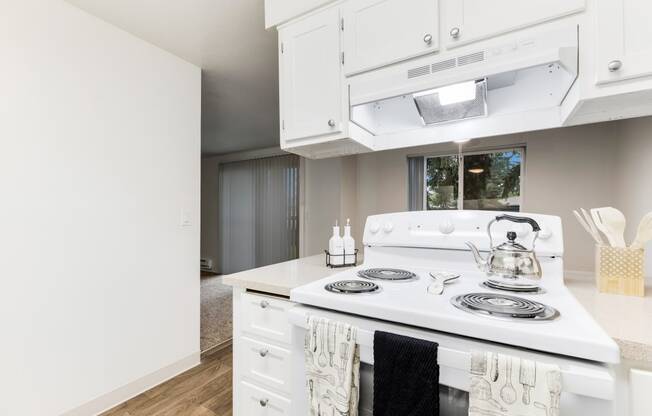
x,y
491,180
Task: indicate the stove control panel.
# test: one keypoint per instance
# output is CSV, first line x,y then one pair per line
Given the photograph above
x,y
451,229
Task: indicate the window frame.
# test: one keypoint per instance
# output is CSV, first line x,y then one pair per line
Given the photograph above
x,y
460,171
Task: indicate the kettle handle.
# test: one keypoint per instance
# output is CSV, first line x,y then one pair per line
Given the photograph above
x,y
513,218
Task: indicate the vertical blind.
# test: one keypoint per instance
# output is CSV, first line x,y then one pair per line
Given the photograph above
x,y
259,212
415,183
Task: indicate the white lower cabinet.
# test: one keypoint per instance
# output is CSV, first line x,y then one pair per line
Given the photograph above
x,y
256,401
261,355
266,316
266,363
640,392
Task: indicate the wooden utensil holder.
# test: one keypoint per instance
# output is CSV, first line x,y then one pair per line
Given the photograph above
x,y
620,271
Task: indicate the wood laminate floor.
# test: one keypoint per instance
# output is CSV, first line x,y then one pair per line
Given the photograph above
x,y
201,391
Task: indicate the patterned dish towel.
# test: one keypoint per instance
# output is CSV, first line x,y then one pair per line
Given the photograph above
x,y
508,386
332,368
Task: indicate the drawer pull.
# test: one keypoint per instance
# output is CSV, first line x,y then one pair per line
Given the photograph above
x,y
263,402
264,304
263,353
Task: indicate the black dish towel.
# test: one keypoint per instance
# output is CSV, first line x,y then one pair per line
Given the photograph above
x,y
406,376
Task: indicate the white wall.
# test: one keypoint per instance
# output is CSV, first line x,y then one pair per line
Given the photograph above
x,y
565,169
210,236
99,155
328,193
634,183
585,166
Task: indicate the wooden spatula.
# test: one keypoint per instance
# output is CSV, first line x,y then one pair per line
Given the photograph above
x,y
644,232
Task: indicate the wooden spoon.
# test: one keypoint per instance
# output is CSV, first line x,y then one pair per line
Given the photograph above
x,y
644,232
612,224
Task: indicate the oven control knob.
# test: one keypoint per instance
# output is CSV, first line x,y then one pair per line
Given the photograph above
x,y
545,234
446,227
374,227
388,227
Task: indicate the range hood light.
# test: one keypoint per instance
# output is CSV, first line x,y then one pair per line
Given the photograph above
x,y
452,94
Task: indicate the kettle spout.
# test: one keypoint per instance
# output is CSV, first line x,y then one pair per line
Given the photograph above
x,y
481,262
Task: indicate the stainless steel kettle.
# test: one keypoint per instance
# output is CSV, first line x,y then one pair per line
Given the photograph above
x,y
510,261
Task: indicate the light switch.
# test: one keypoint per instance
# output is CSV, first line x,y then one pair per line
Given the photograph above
x,y
185,218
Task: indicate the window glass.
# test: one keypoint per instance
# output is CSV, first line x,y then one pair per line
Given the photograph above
x,y
492,181
442,184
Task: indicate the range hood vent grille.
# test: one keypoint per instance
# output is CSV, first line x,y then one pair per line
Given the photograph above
x,y
443,65
418,72
470,58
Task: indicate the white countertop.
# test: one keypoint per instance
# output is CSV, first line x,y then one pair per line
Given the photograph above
x,y
627,319
280,278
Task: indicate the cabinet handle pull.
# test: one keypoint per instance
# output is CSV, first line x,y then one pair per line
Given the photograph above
x,y
263,402
264,304
331,122
428,39
263,353
615,65
455,32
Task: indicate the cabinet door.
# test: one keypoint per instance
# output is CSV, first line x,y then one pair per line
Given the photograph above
x,y
468,21
311,77
381,32
624,34
640,386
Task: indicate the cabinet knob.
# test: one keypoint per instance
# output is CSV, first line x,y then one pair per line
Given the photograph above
x,y
263,402
428,39
264,304
455,32
263,353
331,122
615,65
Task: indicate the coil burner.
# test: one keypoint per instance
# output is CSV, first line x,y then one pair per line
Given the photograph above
x,y
514,288
351,287
387,274
504,307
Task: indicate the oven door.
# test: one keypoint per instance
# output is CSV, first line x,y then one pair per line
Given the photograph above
x,y
588,387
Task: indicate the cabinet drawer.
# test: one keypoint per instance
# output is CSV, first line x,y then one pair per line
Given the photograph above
x,y
265,363
266,317
256,401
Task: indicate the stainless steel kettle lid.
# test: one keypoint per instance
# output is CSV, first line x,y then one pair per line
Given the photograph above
x,y
511,245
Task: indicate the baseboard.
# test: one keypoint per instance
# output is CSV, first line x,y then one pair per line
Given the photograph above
x,y
133,389
219,347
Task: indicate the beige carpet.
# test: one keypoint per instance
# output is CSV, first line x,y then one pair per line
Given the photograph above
x,y
216,312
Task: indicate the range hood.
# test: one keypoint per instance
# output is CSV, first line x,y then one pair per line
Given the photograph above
x,y
504,77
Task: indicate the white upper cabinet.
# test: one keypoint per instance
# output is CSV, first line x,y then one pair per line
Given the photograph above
x,y
381,32
311,77
624,43
467,21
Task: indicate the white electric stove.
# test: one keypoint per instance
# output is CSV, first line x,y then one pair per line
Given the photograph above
x,y
390,292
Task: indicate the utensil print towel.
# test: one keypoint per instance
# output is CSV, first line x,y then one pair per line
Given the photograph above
x,y
332,359
502,385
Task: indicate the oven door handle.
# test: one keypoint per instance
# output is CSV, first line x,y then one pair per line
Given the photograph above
x,y
589,380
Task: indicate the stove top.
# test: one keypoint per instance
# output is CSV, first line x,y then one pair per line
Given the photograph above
x,y
505,307
385,273
406,248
